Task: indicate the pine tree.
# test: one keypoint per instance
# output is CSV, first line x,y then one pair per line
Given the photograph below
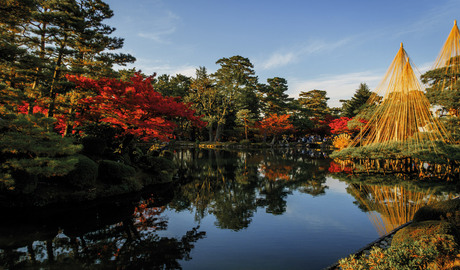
x,y
236,83
29,152
15,59
205,99
173,86
46,39
315,102
444,87
274,98
350,108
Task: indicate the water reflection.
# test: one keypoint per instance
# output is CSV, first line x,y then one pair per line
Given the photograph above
x,y
389,207
109,235
307,216
232,185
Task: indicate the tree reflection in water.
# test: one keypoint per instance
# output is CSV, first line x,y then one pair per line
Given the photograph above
x,y
130,243
231,185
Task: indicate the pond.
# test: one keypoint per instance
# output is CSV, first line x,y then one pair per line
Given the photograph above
x,y
267,209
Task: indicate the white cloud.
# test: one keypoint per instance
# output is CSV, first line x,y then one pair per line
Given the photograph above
x,y
160,26
338,87
149,67
186,70
158,36
279,59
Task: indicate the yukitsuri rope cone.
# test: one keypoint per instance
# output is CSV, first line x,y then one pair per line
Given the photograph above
x,y
448,56
401,112
446,69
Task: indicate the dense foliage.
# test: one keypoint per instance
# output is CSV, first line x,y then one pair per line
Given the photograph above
x,y
28,151
59,88
430,252
350,108
275,125
134,106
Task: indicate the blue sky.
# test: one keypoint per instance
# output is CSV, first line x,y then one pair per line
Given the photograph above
x,y
331,45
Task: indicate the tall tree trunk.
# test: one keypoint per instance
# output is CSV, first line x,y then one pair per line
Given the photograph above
x,y
41,53
246,128
69,127
273,140
56,75
210,131
218,132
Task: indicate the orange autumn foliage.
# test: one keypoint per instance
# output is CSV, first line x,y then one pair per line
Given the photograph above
x,y
275,124
276,172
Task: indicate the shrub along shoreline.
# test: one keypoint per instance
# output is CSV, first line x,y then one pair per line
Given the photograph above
x,y
94,176
430,241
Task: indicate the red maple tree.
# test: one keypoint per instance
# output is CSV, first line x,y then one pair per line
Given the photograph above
x,y
133,106
339,125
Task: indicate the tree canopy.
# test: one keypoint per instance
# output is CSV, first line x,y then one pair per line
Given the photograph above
x,y
350,108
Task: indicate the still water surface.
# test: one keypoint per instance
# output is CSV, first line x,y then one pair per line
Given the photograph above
x,y
231,210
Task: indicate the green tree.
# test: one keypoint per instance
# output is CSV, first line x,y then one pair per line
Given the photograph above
x,y
204,98
29,152
95,44
300,119
236,83
246,119
444,87
350,108
273,96
15,58
315,101
173,86
58,38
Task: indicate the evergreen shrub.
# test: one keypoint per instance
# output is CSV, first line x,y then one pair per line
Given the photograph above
x,y
432,252
84,175
437,211
167,154
93,146
112,172
245,142
428,228
158,164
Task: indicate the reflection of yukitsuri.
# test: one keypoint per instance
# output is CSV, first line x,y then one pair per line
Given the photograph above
x,y
395,205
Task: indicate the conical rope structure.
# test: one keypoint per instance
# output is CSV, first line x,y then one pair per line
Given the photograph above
x,y
445,71
401,112
448,56
401,135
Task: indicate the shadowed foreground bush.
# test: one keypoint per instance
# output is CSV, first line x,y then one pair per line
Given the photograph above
x,y
437,251
430,242
438,211
418,230
85,173
112,172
